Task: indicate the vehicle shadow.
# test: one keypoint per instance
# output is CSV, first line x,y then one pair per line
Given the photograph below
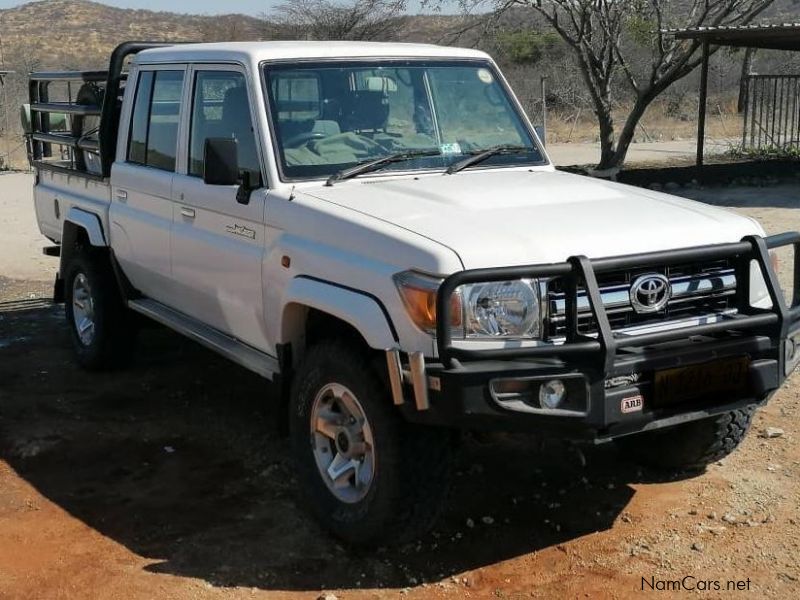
x,y
781,195
178,459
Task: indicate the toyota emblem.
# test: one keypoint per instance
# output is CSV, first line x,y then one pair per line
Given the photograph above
x,y
650,293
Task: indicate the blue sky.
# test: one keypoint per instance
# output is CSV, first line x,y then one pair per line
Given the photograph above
x,y
249,7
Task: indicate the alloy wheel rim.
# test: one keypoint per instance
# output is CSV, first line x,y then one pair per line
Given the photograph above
x,y
342,443
83,309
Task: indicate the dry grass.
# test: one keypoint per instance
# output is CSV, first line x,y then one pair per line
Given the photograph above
x,y
660,124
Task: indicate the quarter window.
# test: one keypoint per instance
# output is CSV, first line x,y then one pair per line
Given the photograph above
x,y
156,115
137,145
221,109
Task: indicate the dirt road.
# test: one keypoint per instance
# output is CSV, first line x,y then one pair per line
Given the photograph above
x,y
584,153
168,480
20,241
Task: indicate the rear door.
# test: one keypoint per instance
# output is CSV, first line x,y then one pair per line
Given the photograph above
x,y
142,179
218,244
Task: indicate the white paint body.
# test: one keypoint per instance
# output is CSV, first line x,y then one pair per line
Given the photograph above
x,y
346,242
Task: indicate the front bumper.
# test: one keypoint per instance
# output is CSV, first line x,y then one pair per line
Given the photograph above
x,y
605,372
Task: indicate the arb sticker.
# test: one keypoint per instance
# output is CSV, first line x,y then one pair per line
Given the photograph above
x,y
632,404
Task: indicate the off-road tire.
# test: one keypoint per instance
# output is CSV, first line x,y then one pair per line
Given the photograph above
x,y
413,463
114,328
690,446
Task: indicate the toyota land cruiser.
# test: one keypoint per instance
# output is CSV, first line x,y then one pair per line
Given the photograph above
x,y
378,229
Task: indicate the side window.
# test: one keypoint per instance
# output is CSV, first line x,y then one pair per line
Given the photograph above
x,y
156,114
221,109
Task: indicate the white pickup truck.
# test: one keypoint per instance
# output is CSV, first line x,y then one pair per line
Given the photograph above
x,y
378,229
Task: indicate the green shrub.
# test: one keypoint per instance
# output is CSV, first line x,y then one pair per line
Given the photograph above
x,y
528,46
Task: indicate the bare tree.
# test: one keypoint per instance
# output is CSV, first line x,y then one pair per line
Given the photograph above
x,y
219,30
334,20
621,51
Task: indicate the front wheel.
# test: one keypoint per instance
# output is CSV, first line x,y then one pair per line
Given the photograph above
x,y
367,475
691,445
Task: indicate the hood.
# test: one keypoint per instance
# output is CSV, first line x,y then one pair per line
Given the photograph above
x,y
497,218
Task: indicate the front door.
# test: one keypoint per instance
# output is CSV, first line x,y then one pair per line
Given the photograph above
x,y
217,243
141,182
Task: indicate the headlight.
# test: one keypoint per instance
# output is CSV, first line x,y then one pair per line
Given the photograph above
x,y
503,309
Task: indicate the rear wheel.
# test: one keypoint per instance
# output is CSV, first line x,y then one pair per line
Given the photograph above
x,y
101,328
367,475
691,445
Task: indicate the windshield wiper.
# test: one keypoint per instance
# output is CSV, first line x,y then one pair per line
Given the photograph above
x,y
481,155
377,163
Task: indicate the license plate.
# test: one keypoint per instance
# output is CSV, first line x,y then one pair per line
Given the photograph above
x,y
689,383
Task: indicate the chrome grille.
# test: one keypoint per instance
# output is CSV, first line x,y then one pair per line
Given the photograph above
x,y
697,290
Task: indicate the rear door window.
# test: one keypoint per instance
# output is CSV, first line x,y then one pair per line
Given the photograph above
x,y
153,138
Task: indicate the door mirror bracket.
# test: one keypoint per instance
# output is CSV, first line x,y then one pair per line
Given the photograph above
x,y
245,187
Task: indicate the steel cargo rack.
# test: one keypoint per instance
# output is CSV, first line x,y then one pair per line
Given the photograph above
x,y
82,120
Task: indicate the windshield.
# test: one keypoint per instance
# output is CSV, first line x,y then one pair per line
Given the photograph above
x,y
331,116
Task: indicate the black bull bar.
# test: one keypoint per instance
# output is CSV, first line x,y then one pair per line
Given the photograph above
x,y
601,351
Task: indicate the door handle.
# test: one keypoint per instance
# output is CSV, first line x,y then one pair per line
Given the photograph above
x,y
187,212
122,195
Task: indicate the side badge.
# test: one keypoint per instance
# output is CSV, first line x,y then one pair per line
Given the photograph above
x,y
241,230
632,404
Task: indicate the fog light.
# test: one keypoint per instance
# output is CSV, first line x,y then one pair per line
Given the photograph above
x,y
552,393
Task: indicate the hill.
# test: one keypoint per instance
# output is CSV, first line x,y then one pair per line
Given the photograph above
x,y
80,33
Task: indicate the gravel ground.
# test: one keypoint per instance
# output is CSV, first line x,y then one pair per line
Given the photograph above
x,y
169,479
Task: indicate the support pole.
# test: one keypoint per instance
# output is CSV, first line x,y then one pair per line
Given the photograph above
x,y
544,110
701,119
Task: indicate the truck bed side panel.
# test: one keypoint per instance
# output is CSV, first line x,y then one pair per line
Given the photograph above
x,y
55,193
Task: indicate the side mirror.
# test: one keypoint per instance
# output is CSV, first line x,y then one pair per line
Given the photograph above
x,y
221,161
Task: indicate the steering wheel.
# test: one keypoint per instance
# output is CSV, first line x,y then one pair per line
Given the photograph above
x,y
302,138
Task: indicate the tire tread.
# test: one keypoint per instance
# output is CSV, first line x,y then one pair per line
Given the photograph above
x,y
690,446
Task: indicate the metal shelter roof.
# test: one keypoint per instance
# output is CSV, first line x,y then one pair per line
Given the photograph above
x,y
785,36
